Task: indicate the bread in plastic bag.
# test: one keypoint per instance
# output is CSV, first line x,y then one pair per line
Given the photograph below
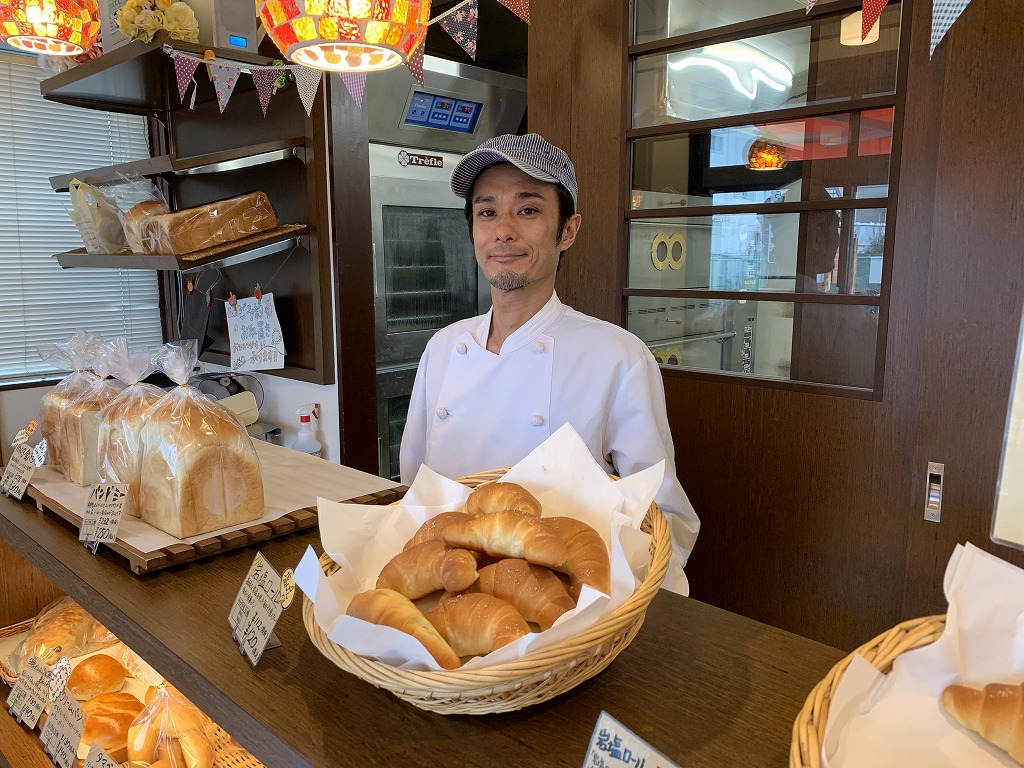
x,y
62,628
199,469
209,225
172,729
80,421
134,198
75,354
121,421
97,219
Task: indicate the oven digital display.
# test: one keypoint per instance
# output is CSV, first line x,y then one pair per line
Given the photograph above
x,y
443,112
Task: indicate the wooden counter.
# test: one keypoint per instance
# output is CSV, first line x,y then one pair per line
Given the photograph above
x,y
707,688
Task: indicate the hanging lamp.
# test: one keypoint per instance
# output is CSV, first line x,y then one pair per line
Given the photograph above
x,y
766,155
53,27
346,35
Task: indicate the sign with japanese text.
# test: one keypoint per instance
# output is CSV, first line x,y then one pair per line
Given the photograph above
x,y
59,677
613,745
63,729
18,472
24,434
29,695
257,608
254,333
102,515
98,758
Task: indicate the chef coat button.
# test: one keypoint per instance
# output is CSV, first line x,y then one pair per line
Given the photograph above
x,y
461,347
537,421
539,347
442,413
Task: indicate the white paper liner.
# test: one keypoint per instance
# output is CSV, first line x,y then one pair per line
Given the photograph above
x,y
878,721
566,480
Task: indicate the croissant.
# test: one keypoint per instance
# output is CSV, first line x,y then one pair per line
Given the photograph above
x,y
428,567
997,713
496,497
474,623
588,561
431,530
509,534
532,590
390,609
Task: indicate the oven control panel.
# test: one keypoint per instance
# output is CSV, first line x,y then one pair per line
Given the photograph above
x,y
444,112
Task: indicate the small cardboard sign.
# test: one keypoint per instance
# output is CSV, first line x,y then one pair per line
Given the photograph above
x,y
39,453
98,758
63,729
29,695
256,610
102,515
59,677
18,472
613,745
24,434
254,333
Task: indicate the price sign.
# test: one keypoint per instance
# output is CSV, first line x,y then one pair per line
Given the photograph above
x,y
102,515
39,453
24,434
256,609
63,729
18,472
98,758
29,695
613,745
59,677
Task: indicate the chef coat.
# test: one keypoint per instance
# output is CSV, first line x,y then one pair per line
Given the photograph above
x,y
472,409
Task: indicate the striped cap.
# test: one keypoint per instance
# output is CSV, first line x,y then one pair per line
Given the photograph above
x,y
531,154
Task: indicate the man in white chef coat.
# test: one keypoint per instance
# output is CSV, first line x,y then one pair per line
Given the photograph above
x,y
492,388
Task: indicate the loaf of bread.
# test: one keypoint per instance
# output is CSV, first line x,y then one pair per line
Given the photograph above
x,y
996,713
170,729
497,497
198,468
428,567
474,624
432,528
109,718
588,561
509,534
205,226
96,675
80,427
391,609
53,405
120,431
132,219
533,590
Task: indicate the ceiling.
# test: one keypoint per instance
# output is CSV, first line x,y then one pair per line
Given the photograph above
x,y
501,38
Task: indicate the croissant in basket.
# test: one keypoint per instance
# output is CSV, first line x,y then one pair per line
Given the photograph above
x,y
996,713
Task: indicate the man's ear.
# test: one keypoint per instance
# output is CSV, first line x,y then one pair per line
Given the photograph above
x,y
569,232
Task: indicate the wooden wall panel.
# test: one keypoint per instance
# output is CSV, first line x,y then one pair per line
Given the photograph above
x,y
26,591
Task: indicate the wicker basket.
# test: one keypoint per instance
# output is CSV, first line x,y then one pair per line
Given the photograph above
x,y
537,677
809,728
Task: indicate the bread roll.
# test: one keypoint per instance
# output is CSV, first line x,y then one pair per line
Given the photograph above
x,y
196,749
120,431
198,470
588,561
432,528
205,226
96,675
475,624
133,218
996,713
508,534
61,629
391,609
533,590
110,716
426,568
170,729
497,497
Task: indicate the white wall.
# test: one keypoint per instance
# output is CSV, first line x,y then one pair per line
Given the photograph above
x,y
17,408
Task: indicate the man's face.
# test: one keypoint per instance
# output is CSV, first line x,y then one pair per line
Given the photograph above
x,y
515,229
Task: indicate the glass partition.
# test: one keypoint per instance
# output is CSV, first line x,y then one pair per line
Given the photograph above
x,y
660,19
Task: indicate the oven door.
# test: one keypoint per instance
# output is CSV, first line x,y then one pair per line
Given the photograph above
x,y
394,387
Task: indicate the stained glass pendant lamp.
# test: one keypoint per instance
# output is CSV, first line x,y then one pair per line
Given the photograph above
x,y
766,155
346,35
53,27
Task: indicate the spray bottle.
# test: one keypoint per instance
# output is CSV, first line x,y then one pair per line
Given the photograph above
x,y
307,442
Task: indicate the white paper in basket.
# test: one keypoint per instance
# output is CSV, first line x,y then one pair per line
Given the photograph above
x,y
878,721
563,476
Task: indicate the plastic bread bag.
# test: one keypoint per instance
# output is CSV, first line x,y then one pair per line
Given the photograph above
x,y
122,418
75,354
170,729
97,219
63,628
80,421
133,198
199,470
210,225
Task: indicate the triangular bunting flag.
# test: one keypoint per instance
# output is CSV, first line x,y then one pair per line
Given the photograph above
x,y
810,4
944,13
872,9
521,8
224,80
307,80
264,79
415,61
462,24
184,69
356,84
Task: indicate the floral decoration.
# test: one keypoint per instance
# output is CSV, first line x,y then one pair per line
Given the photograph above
x,y
142,19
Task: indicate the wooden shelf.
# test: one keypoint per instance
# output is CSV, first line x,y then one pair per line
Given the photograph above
x,y
276,240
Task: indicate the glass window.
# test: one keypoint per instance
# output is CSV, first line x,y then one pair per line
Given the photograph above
x,y
660,19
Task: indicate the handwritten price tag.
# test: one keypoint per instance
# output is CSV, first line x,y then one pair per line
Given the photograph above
x,y
63,729
256,609
102,515
24,434
29,695
39,453
18,472
59,677
613,745
98,758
